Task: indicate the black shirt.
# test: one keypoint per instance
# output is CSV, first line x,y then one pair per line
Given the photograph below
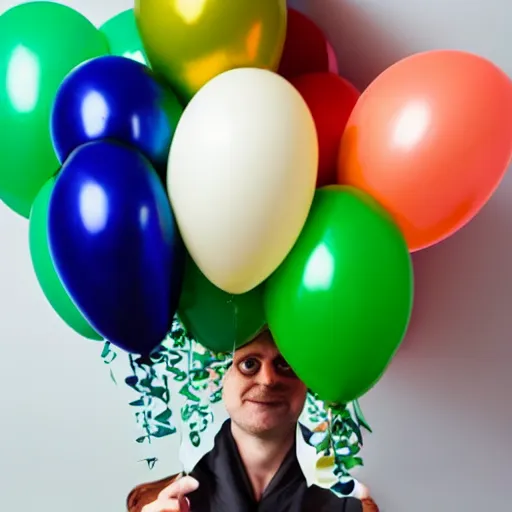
x,y
225,487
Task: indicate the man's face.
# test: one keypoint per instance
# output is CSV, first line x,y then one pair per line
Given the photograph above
x,y
261,393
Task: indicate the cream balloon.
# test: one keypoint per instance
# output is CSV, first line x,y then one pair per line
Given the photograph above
x,y
241,175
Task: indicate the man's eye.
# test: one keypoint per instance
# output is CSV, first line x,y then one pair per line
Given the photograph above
x,y
284,368
249,366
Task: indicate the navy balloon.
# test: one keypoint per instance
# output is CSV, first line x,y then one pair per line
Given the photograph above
x,y
113,97
115,244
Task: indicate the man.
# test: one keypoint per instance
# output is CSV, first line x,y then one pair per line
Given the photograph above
x,y
253,466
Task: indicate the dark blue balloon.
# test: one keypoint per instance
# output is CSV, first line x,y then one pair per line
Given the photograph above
x,y
115,244
115,98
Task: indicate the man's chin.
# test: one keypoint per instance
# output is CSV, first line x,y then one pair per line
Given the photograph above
x,y
267,424
264,430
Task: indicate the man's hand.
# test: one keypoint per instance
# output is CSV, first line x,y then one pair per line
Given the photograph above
x,y
173,497
368,505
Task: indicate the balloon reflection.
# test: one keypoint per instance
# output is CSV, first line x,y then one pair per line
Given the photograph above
x,y
23,79
143,216
135,122
411,125
93,207
319,270
190,10
95,114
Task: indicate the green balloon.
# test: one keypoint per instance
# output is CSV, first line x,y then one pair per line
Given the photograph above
x,y
45,270
218,320
40,43
123,37
339,305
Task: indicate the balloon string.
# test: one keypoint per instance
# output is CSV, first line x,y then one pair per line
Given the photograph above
x,y
235,324
330,431
189,373
184,471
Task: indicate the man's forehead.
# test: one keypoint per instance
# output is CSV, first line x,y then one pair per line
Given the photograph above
x,y
263,344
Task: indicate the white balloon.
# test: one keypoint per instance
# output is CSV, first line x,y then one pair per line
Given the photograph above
x,y
242,174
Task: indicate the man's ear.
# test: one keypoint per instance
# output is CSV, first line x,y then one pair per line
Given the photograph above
x,y
227,374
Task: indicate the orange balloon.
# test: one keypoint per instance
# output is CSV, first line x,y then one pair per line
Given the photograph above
x,y
430,139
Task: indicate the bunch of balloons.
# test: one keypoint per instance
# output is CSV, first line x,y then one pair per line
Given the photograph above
x,y
209,160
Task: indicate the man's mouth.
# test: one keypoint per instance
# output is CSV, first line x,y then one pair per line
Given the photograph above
x,y
268,403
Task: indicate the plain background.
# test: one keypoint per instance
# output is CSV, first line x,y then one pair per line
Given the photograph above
x,y
442,415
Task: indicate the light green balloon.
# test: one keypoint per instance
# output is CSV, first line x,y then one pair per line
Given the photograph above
x,y
123,37
45,270
340,303
40,43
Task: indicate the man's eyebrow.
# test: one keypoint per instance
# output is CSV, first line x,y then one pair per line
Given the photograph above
x,y
249,354
259,355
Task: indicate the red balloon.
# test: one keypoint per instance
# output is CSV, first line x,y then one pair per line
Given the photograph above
x,y
306,49
331,100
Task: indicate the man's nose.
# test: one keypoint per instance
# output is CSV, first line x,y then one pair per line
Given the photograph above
x,y
267,375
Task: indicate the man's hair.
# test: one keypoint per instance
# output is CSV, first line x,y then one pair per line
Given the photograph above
x,y
264,330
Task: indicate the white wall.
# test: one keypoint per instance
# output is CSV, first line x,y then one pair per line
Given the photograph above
x,y
441,415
